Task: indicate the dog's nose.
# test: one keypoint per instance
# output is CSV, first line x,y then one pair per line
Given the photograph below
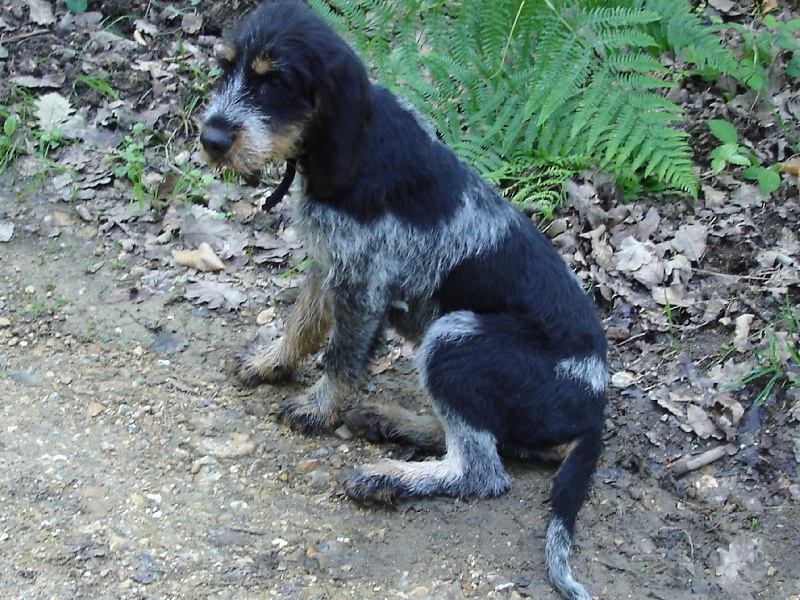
x,y
217,142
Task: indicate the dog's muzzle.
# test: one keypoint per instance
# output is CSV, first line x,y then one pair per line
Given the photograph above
x,y
217,141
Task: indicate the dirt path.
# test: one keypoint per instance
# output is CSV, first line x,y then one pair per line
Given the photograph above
x,y
129,474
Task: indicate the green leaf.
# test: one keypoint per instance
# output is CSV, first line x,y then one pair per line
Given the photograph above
x,y
76,6
10,126
769,181
723,130
793,66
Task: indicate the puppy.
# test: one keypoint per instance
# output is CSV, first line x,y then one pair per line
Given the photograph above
x,y
403,234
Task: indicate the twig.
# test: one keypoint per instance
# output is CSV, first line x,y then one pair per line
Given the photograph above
x,y
22,36
692,463
241,529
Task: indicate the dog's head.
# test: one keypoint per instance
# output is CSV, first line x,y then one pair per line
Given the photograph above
x,y
290,89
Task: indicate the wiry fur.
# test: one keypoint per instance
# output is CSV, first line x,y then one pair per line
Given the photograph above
x,y
403,234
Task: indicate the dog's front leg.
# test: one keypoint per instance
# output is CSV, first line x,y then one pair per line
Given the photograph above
x,y
358,320
306,328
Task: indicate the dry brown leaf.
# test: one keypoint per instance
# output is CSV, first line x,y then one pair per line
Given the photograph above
x,y
191,24
48,81
725,6
204,225
729,373
266,316
52,111
650,274
735,561
383,365
216,294
41,12
634,254
647,226
691,241
791,166
679,268
742,332
699,421
670,405
202,259
769,6
674,295
727,413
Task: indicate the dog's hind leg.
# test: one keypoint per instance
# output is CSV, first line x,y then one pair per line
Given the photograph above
x,y
471,465
306,328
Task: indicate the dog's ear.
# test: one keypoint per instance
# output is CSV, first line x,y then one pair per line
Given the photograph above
x,y
340,136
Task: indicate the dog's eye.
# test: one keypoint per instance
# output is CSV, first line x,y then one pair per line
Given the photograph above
x,y
269,82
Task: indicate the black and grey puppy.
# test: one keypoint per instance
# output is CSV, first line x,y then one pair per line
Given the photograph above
x,y
403,234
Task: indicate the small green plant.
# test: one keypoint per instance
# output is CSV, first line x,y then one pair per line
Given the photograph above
x,y
762,45
199,80
731,152
10,145
131,155
295,269
671,327
99,84
191,184
535,185
779,362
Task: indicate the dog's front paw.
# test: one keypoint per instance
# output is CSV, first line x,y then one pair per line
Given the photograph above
x,y
256,366
368,485
317,411
303,418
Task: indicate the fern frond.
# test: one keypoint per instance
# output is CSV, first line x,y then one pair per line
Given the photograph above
x,y
505,81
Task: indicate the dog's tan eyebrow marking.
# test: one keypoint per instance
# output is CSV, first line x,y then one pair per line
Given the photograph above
x,y
262,65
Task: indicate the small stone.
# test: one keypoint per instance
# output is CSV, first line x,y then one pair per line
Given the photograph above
x,y
238,445
93,409
318,478
557,227
343,433
266,316
25,378
62,219
202,462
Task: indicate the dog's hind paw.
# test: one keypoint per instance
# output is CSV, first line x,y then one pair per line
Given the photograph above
x,y
386,422
363,486
254,367
369,423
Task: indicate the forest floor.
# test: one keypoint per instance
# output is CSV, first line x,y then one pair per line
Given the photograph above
x,y
132,464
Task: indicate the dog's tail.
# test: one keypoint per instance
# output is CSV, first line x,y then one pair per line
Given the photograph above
x,y
569,491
